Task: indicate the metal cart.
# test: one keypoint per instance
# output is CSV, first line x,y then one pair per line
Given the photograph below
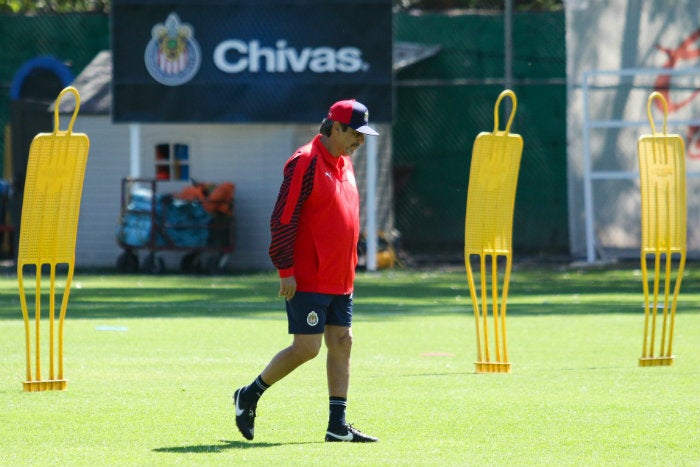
x,y
204,230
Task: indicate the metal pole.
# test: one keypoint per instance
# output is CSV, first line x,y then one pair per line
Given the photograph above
x,y
371,203
587,177
135,150
508,52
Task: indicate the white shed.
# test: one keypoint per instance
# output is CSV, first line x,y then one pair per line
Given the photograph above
x,y
249,155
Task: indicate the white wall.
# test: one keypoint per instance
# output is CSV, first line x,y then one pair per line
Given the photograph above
x,y
614,35
108,162
251,156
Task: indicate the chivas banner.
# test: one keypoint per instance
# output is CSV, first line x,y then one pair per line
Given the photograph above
x,y
248,60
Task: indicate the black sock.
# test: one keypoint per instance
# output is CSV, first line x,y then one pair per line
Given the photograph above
x,y
255,390
336,415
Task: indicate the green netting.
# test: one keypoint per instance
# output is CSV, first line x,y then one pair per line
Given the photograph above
x,y
73,39
441,104
444,102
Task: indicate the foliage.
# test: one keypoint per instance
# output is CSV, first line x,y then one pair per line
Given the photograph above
x,y
53,6
497,5
80,6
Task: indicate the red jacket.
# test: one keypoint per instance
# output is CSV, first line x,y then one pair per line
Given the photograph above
x,y
315,224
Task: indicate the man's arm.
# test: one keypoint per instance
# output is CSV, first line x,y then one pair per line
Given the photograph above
x,y
295,189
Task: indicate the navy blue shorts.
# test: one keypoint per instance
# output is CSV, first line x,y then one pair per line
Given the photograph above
x,y
308,312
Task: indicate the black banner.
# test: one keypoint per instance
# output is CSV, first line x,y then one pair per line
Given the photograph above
x,y
249,61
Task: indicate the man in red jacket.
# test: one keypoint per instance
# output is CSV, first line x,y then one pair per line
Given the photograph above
x,y
315,227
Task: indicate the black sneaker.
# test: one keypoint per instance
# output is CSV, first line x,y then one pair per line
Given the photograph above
x,y
350,434
245,415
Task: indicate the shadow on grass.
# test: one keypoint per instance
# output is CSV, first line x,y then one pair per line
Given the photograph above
x,y
432,375
223,445
379,296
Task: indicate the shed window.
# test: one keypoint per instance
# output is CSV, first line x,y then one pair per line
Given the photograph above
x,y
172,161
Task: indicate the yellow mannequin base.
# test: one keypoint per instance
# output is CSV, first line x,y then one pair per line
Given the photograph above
x,y
492,367
656,361
50,385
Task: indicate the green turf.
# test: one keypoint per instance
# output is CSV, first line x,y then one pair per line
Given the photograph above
x,y
152,362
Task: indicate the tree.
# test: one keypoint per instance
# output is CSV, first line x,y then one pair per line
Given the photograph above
x,y
438,5
24,7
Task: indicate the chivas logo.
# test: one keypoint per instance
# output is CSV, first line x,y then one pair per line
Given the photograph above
x,y
172,55
312,319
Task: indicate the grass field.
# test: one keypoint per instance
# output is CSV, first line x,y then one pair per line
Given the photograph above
x,y
152,363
